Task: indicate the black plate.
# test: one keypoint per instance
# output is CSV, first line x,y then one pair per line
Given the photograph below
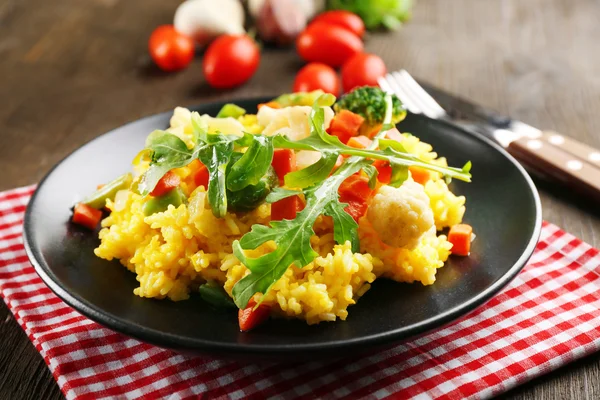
x,y
502,205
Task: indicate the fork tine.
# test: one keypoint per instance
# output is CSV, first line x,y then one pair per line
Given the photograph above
x,y
414,97
390,82
429,106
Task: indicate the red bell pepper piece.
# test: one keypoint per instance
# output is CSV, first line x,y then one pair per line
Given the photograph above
x,y
169,181
250,318
284,162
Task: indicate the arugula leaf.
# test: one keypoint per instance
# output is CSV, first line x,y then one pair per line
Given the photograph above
x,y
168,152
253,164
372,173
292,237
281,193
216,157
312,174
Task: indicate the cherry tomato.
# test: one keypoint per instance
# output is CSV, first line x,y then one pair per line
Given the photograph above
x,y
362,70
230,61
315,76
169,49
329,44
343,18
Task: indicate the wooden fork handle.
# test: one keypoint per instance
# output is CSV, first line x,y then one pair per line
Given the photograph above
x,y
559,161
581,150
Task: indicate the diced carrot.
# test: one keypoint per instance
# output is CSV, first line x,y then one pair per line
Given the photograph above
x,y
250,318
356,192
200,173
271,104
394,134
460,237
87,216
359,142
420,175
286,208
345,125
284,162
384,171
100,186
169,181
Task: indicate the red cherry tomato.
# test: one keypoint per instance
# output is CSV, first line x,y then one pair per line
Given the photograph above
x,y
230,61
315,76
362,70
169,49
329,44
343,18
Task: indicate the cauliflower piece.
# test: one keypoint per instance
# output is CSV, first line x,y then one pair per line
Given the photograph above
x,y
401,216
181,125
291,121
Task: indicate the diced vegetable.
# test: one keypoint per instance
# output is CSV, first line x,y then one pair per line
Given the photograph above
x,y
460,237
169,181
231,110
284,162
249,318
201,176
345,125
86,216
214,294
420,175
356,192
286,208
359,142
98,199
394,134
160,204
384,171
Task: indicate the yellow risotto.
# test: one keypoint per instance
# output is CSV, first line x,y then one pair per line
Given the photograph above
x,y
176,249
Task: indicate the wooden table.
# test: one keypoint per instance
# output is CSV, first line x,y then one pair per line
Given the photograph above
x,y
72,70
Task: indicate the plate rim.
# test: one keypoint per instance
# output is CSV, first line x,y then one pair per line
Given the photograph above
x,y
177,342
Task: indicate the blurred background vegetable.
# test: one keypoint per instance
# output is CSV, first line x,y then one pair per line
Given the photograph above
x,y
362,69
169,49
280,21
328,44
230,61
316,76
376,13
205,20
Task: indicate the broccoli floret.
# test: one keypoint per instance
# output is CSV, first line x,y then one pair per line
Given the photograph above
x,y
369,102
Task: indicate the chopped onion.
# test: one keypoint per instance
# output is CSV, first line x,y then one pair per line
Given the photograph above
x,y
120,200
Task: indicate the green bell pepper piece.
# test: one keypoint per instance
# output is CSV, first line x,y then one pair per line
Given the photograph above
x,y
160,204
98,199
215,295
231,110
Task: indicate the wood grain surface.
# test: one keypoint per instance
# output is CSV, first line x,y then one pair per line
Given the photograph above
x,y
71,70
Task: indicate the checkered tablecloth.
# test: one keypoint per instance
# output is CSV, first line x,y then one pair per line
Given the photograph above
x,y
548,316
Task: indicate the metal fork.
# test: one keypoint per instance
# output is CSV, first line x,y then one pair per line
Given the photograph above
x,y
414,97
546,154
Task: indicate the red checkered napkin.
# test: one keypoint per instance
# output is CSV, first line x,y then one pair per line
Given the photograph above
x,y
547,317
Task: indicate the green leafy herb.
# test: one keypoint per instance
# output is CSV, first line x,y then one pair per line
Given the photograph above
x,y
168,152
253,165
281,193
292,237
